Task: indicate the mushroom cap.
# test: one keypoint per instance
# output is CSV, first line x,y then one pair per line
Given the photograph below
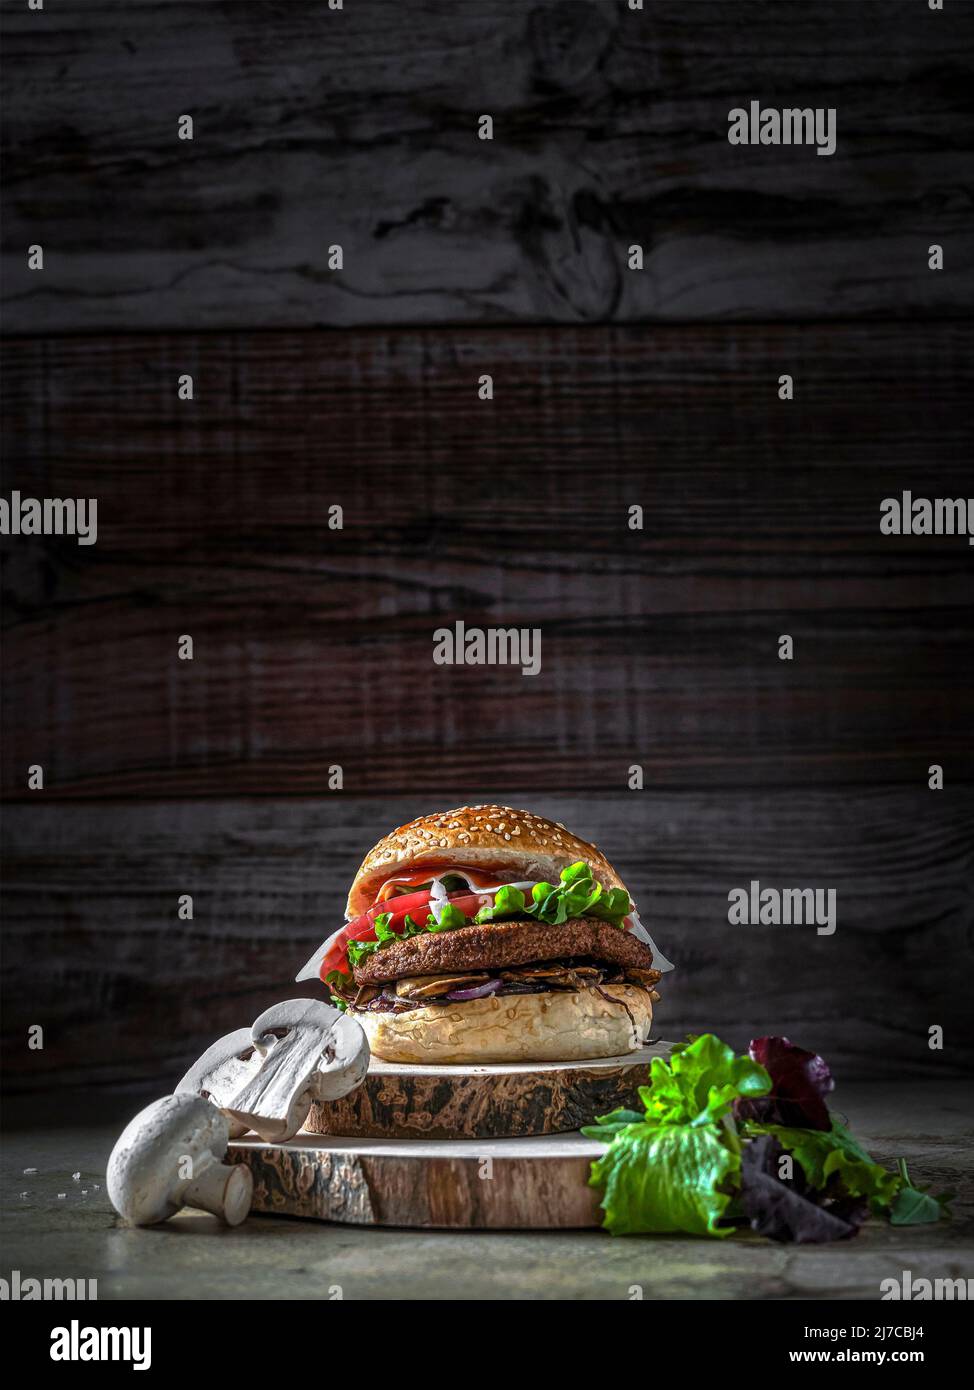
x,y
295,1013
144,1180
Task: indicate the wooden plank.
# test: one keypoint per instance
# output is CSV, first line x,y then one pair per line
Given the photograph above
x,y
497,1100
314,646
359,128
535,1183
127,993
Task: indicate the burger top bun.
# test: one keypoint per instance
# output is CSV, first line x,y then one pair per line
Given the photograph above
x,y
516,843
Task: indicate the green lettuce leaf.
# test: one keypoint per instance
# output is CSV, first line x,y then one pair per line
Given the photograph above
x,y
337,980
575,895
700,1082
677,1166
450,918
507,900
612,906
916,1206
664,1178
835,1153
606,1127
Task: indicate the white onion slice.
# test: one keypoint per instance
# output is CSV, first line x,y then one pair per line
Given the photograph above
x,y
638,930
438,898
312,969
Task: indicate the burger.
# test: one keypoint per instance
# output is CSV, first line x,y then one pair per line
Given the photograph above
x,y
486,934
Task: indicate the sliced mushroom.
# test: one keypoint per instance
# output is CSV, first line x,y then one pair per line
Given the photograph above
x,y
532,972
644,978
309,1051
265,1077
553,971
556,977
221,1071
430,986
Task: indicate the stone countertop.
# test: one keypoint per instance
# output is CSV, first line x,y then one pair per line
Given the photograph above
x,y
46,1234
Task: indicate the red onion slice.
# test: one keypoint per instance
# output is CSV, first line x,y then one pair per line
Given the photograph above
x,y
475,992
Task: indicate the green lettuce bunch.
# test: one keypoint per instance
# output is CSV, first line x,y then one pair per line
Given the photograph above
x,y
575,895
700,1157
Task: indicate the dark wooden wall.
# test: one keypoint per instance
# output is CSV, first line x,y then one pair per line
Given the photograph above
x,y
612,388
314,646
131,994
359,127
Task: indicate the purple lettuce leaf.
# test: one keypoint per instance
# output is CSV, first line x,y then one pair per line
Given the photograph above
x,y
800,1081
792,1210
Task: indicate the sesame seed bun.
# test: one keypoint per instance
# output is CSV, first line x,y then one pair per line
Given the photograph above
x,y
517,844
557,1027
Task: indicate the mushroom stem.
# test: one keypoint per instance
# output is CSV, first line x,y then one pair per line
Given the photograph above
x,y
224,1189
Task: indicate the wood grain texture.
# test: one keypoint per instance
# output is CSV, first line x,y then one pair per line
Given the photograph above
x,y
530,1184
398,1101
127,994
314,646
358,128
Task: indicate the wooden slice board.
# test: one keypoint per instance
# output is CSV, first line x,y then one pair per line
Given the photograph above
x,y
493,1101
452,1184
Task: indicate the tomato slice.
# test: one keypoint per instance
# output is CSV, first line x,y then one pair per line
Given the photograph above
x,y
410,904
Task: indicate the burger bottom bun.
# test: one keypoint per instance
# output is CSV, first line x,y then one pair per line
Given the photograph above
x,y
550,1027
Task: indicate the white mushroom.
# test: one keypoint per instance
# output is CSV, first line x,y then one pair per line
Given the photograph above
x,y
345,1062
170,1156
221,1071
310,1052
